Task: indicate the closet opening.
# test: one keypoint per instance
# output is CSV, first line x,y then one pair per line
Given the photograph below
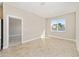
x,y
15,31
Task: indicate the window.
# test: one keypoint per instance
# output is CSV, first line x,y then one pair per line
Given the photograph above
x,y
58,25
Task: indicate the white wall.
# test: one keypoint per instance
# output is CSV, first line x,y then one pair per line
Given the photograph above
x,y
70,26
33,25
77,29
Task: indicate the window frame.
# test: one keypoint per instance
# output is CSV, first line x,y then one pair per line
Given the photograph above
x,y
57,25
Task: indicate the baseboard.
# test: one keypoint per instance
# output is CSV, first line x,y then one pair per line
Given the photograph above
x,y
77,46
5,47
29,40
60,38
48,37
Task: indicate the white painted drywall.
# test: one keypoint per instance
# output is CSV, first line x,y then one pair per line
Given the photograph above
x,y
33,25
77,29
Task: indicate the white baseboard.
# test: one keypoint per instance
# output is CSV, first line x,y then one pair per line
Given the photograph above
x,y
77,46
61,38
5,47
29,40
36,38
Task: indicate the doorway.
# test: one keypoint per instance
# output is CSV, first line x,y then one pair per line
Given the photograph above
x,y
1,34
15,31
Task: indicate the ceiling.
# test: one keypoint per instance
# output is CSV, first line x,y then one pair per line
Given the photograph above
x,y
47,9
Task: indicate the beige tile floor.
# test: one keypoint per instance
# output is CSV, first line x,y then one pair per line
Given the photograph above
x,y
49,47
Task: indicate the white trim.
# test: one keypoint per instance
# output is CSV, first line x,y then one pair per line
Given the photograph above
x,y
61,38
5,47
29,40
19,18
36,38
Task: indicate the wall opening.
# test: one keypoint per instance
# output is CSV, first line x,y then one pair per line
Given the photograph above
x,y
15,31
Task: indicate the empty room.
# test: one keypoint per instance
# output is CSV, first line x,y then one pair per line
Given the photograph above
x,y
39,29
